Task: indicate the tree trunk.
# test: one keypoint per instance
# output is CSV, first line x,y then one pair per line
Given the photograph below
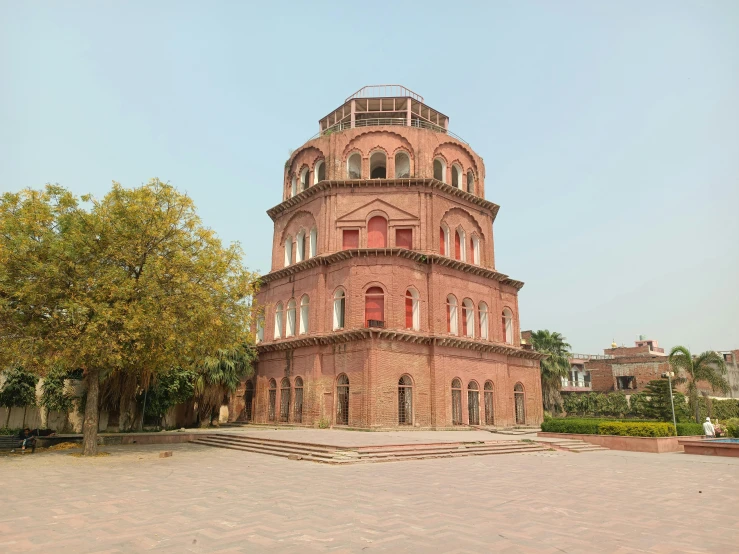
x,y
7,419
90,425
25,409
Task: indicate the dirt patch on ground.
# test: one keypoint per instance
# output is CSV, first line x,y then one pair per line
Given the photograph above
x,y
64,446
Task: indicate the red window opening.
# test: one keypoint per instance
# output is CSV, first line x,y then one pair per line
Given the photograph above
x,y
464,320
377,232
457,247
408,311
374,305
351,239
442,242
404,238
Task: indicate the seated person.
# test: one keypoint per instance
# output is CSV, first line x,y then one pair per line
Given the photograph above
x,y
27,438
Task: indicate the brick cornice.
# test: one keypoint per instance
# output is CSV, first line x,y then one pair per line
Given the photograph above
x,y
341,255
414,337
432,184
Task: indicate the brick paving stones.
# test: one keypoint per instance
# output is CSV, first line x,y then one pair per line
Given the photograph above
x,y
213,500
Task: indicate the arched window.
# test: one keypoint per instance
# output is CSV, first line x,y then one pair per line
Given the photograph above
x,y
342,400
293,186
313,242
278,320
304,176
444,240
470,182
248,401
300,247
354,166
456,176
520,403
339,309
319,172
378,165
489,411
377,232
412,315
475,244
304,314
260,329
285,400
440,170
456,402
291,316
272,400
402,166
483,321
288,251
473,403
405,401
298,409
374,307
468,318
507,326
459,245
451,314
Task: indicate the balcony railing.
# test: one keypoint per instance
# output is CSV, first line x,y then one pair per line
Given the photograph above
x,y
573,385
376,323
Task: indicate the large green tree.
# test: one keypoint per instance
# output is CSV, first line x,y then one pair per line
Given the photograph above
x,y
707,367
18,391
553,368
130,284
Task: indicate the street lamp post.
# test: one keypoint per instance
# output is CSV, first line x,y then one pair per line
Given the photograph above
x,y
670,375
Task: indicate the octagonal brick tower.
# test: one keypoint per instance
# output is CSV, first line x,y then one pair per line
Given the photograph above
x,y
383,307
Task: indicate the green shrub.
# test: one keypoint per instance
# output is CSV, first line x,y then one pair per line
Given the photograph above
x,y
571,425
732,427
689,429
630,429
6,431
726,409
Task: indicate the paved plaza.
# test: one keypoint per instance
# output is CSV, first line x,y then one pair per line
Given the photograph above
x,y
215,500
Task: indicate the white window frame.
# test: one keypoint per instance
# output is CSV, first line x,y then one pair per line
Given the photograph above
x,y
304,314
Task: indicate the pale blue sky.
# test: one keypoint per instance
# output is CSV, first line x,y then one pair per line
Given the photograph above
x,y
610,131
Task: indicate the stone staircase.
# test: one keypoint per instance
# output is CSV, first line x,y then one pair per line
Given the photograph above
x,y
365,454
573,445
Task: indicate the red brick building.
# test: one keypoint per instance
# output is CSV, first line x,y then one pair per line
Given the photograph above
x,y
383,307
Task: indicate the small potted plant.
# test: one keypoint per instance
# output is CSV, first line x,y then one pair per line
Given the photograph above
x,y
718,430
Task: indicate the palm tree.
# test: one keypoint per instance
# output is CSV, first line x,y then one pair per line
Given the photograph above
x,y
555,366
708,366
220,375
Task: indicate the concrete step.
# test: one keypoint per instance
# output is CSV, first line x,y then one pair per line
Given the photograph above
x,y
574,445
368,454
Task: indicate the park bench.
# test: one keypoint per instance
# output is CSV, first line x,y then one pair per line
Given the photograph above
x,y
12,442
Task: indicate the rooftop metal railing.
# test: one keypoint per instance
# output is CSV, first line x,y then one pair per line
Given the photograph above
x,y
387,121
573,355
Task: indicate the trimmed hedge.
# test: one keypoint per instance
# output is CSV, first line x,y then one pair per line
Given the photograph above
x,y
615,427
628,429
689,429
571,425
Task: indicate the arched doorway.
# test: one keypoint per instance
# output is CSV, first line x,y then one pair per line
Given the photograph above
x,y
248,401
405,401
285,400
456,402
342,400
272,400
519,397
298,410
473,403
489,411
